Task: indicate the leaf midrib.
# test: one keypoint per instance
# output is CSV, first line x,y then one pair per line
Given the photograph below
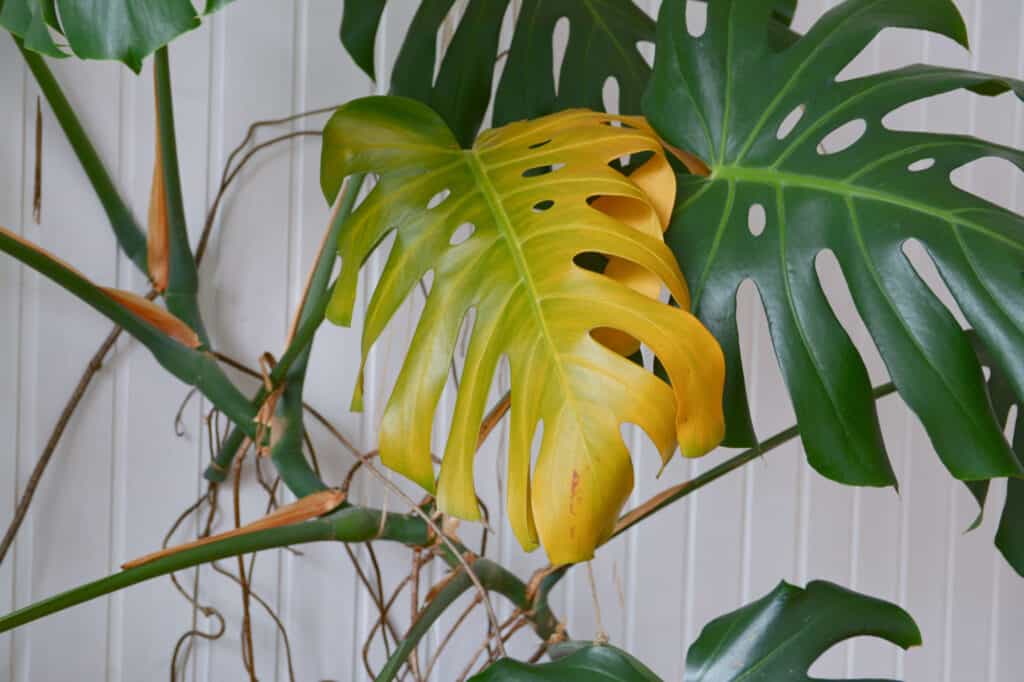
x,y
784,179
511,239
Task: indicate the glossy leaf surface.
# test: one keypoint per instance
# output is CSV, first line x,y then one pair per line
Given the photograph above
x,y
778,637
591,663
724,97
603,42
125,30
498,227
1010,412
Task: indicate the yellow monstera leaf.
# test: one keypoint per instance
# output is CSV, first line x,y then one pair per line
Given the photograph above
x,y
537,195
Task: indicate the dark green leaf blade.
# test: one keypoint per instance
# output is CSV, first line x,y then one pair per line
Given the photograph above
x,y
603,42
26,19
359,24
778,637
589,663
1010,533
724,97
123,30
604,38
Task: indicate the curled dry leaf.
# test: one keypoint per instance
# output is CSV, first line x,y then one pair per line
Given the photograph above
x,y
155,316
309,507
158,245
139,306
500,226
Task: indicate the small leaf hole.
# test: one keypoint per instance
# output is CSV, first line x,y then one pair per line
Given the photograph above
x,y
542,206
542,170
559,43
843,137
438,199
789,123
756,219
610,95
538,145
646,50
921,165
696,18
462,233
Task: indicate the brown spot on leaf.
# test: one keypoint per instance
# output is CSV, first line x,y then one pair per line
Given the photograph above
x,y
574,487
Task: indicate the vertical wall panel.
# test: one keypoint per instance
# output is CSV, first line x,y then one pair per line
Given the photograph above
x,y
155,468
12,110
69,524
321,586
246,279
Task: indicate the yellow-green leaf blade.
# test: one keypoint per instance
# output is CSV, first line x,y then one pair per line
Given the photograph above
x,y
530,192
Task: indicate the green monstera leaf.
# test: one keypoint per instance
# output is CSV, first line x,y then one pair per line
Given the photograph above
x,y
778,637
125,30
724,98
588,663
499,226
1010,534
604,38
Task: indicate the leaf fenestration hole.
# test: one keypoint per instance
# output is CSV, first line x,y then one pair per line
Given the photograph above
x,y
843,137
438,198
616,340
538,145
462,233
839,297
696,18
535,444
610,95
542,206
542,170
443,39
465,334
591,260
559,43
901,47
921,165
756,219
646,50
924,266
989,177
1011,423
789,123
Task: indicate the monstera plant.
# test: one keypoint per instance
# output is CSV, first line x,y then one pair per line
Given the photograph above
x,y
599,254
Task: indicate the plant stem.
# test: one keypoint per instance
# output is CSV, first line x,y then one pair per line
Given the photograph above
x,y
457,585
671,495
129,235
351,524
675,493
183,282
292,364
348,524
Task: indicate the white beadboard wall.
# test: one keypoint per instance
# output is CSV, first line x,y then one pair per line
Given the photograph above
x,y
121,475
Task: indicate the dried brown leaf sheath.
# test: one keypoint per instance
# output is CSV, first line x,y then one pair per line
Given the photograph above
x,y
307,508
